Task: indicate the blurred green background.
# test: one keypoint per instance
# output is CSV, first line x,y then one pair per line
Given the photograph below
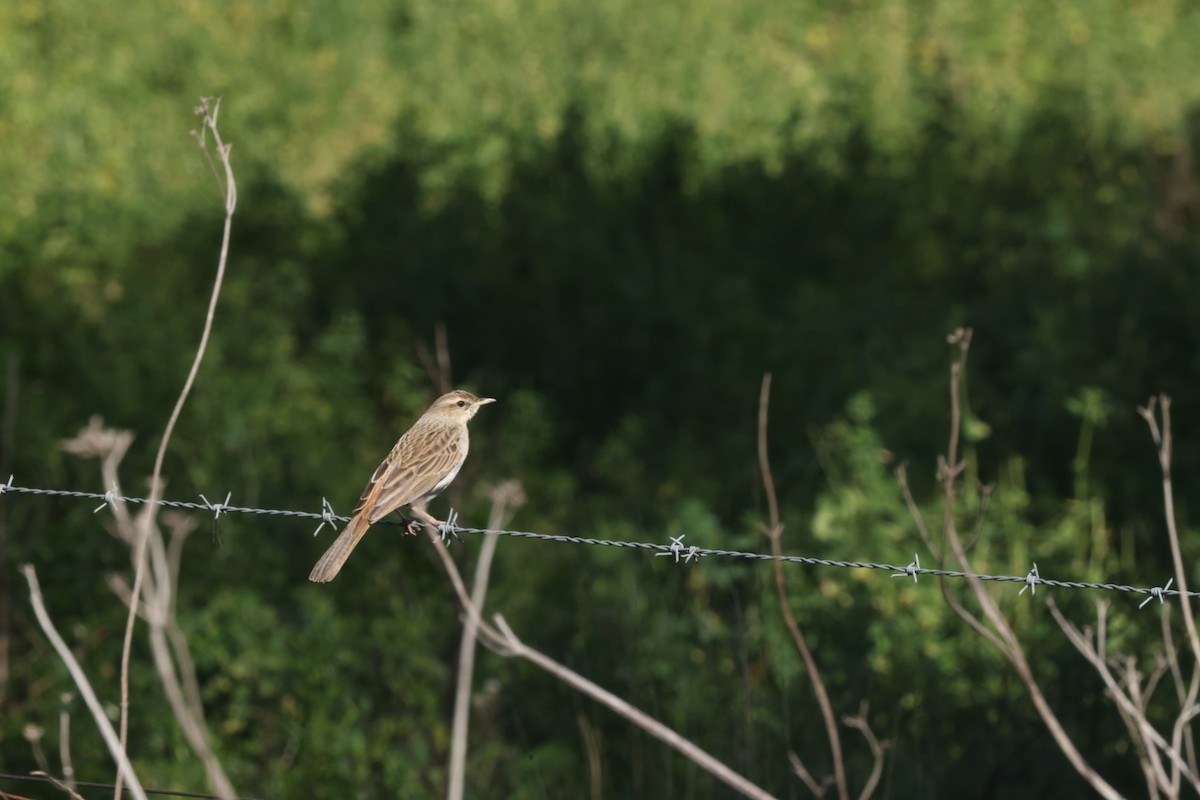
x,y
623,214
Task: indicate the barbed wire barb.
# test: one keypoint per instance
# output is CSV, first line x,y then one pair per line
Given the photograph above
x,y
912,570
1032,579
450,528
675,548
110,499
1157,593
218,509
327,516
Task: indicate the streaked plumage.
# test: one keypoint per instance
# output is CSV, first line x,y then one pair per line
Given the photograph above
x,y
422,464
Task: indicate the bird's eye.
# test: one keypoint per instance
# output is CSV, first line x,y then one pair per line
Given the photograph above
x,y
462,403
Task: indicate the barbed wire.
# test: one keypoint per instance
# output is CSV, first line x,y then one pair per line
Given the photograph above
x,y
676,549
94,785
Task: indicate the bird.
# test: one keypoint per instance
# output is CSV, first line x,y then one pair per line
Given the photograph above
x,y
421,464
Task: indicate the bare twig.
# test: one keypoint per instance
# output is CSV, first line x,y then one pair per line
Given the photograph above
x,y
506,499
818,788
46,776
1133,711
8,427
81,683
437,364
591,746
168,644
774,531
64,744
644,721
860,724
208,111
1163,439
502,640
952,601
1009,645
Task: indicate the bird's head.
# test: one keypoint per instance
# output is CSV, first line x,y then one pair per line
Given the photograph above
x,y
458,405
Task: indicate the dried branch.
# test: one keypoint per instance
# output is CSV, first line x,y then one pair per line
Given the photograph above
x,y
500,639
774,531
1133,711
124,768
860,724
591,746
818,788
64,744
506,499
951,600
1006,640
208,110
437,364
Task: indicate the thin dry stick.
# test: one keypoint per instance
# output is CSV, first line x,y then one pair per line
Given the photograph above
x,y
115,747
774,532
860,724
157,605
64,744
208,110
806,777
652,726
501,639
947,595
506,498
8,427
437,365
1171,663
1164,440
1133,710
591,745
950,469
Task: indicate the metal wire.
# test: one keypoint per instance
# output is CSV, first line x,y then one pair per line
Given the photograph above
x,y
676,548
94,785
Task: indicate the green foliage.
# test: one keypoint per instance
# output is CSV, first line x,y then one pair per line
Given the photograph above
x,y
624,215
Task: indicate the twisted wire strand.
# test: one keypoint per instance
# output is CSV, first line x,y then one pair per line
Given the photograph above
x,y
676,548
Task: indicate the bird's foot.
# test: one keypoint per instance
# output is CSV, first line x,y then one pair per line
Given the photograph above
x,y
411,526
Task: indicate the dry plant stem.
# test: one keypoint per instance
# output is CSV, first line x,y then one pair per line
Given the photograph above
x,y
1171,664
1163,439
168,644
1010,646
1132,711
437,365
591,744
774,533
49,779
502,640
505,499
806,777
947,595
209,112
64,749
8,427
638,717
859,723
124,768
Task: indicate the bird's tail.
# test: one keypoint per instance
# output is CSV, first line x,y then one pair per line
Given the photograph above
x,y
331,563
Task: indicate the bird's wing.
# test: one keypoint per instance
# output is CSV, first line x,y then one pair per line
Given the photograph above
x,y
418,463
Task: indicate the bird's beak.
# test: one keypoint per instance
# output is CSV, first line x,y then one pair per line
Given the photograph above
x,y
483,401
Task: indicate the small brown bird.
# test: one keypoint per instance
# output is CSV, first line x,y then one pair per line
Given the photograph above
x,y
420,466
